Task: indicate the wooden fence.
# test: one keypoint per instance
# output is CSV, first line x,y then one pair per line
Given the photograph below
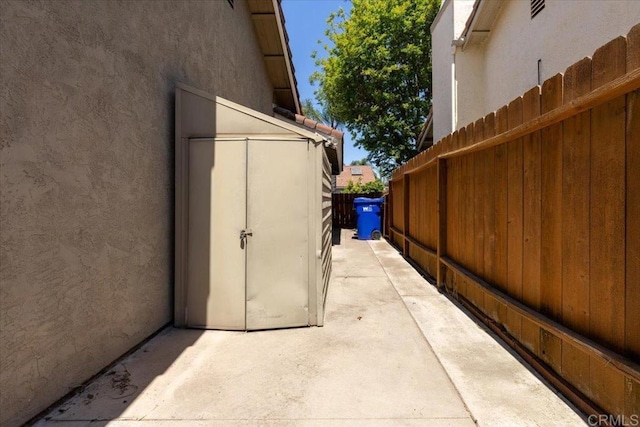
x,y
531,218
343,214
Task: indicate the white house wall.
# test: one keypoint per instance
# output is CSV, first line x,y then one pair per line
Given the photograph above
x,y
491,74
442,52
561,34
447,27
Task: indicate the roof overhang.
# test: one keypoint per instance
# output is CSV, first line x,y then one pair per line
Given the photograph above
x,y
334,146
425,138
268,21
480,22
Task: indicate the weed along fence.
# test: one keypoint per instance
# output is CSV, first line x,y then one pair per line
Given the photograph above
x,y
531,218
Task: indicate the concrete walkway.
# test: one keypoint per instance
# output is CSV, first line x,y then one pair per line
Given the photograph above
x,y
392,352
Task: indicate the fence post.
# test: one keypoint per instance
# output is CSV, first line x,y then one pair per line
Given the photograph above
x,y
442,221
405,212
388,218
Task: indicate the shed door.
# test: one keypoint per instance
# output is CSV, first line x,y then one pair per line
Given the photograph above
x,y
278,250
260,187
217,213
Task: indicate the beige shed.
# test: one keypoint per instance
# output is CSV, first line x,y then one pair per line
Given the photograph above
x,y
253,217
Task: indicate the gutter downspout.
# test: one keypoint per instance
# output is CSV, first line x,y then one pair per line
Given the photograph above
x,y
454,80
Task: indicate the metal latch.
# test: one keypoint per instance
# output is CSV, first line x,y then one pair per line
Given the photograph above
x,y
243,236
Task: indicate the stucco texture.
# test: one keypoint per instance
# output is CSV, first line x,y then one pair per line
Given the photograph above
x,y
86,169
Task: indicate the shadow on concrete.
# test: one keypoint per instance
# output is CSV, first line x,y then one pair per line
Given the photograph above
x,y
109,395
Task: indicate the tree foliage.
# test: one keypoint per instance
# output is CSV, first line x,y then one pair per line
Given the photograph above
x,y
359,188
376,77
361,162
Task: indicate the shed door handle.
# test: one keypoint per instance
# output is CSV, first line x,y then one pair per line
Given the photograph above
x,y
243,237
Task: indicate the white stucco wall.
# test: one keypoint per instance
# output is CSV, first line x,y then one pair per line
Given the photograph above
x,y
442,52
470,80
493,73
447,27
560,35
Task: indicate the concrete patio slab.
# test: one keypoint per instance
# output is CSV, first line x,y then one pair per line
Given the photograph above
x,y
393,351
369,365
494,382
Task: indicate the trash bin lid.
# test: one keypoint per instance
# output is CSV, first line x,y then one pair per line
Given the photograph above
x,y
368,201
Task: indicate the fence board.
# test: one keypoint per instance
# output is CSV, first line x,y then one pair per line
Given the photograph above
x,y
633,226
530,333
474,248
542,225
452,208
479,183
441,185
575,204
494,308
607,211
515,214
489,193
575,222
551,204
501,172
632,321
464,197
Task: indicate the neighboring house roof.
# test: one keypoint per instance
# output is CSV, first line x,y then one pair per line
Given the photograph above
x,y
353,173
268,21
335,154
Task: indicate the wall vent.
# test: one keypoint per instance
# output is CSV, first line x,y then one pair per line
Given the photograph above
x,y
536,7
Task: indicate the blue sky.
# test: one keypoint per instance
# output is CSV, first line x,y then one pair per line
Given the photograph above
x,y
306,24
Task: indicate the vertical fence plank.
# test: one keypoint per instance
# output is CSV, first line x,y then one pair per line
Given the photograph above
x,y
632,322
551,222
469,203
551,205
406,231
398,204
478,166
475,211
501,171
531,219
463,199
515,198
452,206
575,205
495,309
607,311
489,195
575,222
607,213
442,218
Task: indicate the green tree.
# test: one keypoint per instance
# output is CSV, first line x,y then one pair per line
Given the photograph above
x,y
376,77
360,162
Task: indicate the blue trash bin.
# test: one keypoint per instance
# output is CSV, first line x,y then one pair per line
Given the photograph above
x,y
368,222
